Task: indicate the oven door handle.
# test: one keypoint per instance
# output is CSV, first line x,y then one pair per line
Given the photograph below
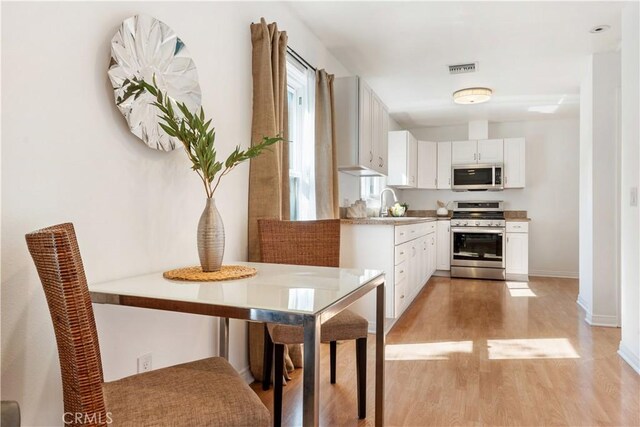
x,y
479,230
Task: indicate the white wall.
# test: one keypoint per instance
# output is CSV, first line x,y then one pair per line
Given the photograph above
x,y
599,189
69,156
630,215
550,196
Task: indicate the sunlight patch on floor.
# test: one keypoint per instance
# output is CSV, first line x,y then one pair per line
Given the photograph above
x,y
519,289
537,348
427,351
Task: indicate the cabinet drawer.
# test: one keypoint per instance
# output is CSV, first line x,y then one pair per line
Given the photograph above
x,y
400,297
404,233
402,253
517,227
401,272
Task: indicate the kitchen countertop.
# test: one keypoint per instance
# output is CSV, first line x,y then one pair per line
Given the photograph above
x,y
388,220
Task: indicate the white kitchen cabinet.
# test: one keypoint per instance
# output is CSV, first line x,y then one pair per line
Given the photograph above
x,y
383,149
403,252
482,151
464,152
444,165
490,151
361,123
517,252
403,159
443,261
427,165
514,163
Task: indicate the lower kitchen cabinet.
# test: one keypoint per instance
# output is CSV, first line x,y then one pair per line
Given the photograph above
x,y
443,245
517,252
406,253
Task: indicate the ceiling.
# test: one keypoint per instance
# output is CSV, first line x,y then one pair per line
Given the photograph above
x,y
532,54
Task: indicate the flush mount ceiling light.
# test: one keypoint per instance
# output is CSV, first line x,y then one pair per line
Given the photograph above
x,y
472,95
599,29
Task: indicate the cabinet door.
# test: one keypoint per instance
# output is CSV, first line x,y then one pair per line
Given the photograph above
x,y
427,164
443,245
444,165
412,161
514,163
365,143
433,254
376,132
490,151
464,152
414,268
517,261
384,141
425,261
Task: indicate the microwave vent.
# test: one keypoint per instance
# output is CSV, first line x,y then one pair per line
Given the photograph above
x,y
463,68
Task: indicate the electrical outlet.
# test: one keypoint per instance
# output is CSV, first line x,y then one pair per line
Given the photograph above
x,y
144,363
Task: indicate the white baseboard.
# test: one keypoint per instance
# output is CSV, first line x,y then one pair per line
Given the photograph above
x,y
582,303
246,375
602,320
560,274
627,355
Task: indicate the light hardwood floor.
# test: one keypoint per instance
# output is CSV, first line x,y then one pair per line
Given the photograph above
x,y
471,352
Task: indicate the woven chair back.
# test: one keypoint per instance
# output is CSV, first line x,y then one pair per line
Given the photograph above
x,y
57,258
314,243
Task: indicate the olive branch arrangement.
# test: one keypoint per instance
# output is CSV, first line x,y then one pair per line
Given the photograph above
x,y
194,133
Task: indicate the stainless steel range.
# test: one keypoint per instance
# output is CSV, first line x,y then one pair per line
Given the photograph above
x,y
478,240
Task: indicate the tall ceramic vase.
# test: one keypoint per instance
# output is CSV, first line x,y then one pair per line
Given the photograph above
x,y
210,238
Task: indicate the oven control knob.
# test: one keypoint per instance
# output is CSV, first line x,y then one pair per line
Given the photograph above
x,y
477,223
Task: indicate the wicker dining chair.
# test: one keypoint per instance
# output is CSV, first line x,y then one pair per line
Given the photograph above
x,y
315,243
204,392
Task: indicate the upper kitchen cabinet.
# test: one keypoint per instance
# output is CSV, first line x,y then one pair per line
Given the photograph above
x,y
427,164
514,163
361,128
482,151
403,159
464,152
444,165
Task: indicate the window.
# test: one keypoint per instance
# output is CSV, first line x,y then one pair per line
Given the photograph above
x,y
300,98
370,189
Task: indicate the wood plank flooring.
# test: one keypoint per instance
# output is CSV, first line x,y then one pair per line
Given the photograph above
x,y
477,353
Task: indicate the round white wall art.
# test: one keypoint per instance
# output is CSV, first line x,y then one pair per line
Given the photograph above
x,y
142,48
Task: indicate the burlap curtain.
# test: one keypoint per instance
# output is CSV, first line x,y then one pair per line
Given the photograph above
x,y
327,206
269,172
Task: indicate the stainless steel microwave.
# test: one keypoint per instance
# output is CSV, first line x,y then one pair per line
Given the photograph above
x,y
477,177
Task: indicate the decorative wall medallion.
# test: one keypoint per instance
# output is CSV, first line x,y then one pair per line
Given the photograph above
x,y
144,47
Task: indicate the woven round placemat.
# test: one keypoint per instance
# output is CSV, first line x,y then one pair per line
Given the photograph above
x,y
195,274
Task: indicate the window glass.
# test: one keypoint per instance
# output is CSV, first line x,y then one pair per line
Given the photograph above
x,y
300,98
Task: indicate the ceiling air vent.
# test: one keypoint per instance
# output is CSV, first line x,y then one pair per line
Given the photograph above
x,y
463,68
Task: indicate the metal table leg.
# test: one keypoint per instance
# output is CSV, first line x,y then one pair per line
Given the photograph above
x,y
379,355
223,338
311,381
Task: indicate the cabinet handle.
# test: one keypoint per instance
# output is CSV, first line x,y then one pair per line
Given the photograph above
x,y
401,253
479,156
370,156
507,240
402,234
475,156
380,161
449,181
401,271
401,296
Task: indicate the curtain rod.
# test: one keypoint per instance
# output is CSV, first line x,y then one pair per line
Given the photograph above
x,y
300,58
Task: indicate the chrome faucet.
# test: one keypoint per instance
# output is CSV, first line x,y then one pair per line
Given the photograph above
x,y
384,209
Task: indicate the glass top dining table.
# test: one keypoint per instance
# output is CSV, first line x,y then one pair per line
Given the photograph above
x,y
278,293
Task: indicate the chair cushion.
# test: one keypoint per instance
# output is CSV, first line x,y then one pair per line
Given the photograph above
x,y
205,392
346,325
